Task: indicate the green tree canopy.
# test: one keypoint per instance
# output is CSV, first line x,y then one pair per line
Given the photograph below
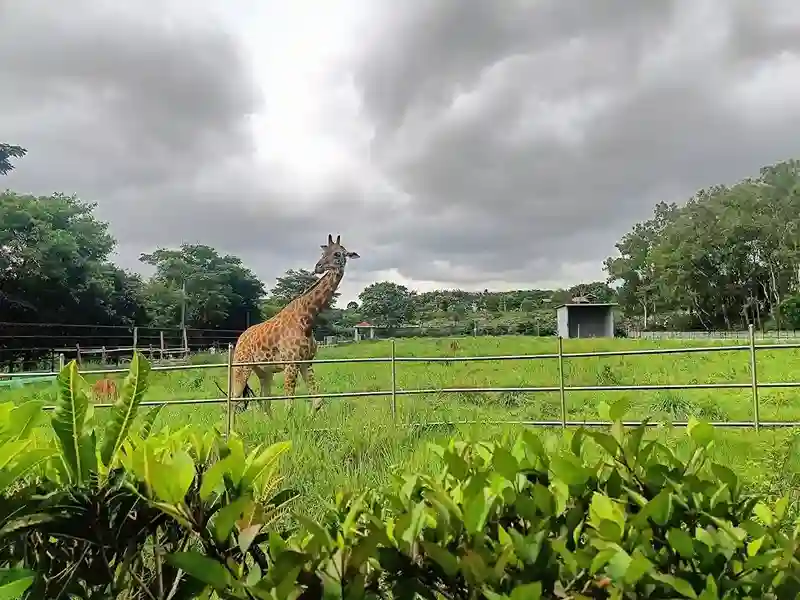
x,y
54,264
292,284
7,152
386,304
221,293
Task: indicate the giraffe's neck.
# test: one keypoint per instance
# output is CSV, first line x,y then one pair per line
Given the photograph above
x,y
318,297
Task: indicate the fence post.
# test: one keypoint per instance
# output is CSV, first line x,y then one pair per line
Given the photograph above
x,y
161,342
229,416
60,362
103,356
185,343
78,354
394,383
135,338
754,376
561,382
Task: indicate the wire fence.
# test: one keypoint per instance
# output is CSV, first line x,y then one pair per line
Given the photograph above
x,y
559,386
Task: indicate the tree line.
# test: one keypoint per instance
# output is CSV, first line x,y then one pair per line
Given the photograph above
x,y
727,257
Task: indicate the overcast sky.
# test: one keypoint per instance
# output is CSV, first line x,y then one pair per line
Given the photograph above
x,y
452,143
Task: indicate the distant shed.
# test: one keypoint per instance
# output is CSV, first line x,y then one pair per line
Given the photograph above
x,y
585,319
364,330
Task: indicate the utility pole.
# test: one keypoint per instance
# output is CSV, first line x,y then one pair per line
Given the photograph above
x,y
183,305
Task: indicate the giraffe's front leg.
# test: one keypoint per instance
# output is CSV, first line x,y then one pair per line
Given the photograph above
x,y
290,382
307,372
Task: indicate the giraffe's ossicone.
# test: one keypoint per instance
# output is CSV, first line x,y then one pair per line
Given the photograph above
x,y
288,335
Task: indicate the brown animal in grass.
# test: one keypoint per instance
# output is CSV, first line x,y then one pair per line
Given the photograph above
x,y
105,389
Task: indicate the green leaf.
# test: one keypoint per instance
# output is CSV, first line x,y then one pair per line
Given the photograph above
x,y
638,566
14,582
659,508
701,433
505,463
681,541
441,557
619,408
725,475
68,419
269,457
476,510
23,465
605,441
527,591
149,420
171,478
24,418
124,410
225,518
710,591
205,569
602,508
604,410
569,469
456,465
679,585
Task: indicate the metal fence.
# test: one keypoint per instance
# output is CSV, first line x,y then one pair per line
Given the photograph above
x,y
560,387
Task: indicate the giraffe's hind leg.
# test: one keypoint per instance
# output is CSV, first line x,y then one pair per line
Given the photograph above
x,y
265,380
290,382
307,372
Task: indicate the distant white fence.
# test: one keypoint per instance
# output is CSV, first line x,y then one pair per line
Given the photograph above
x,y
714,335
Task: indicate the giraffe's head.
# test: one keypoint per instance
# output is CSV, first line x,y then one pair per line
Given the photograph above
x,y
334,256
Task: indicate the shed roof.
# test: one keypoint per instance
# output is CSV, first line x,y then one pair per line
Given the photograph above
x,y
586,304
364,324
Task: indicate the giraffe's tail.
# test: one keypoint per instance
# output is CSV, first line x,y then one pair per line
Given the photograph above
x,y
246,392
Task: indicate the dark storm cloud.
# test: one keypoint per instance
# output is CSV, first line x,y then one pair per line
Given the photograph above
x,y
532,137
516,139
147,114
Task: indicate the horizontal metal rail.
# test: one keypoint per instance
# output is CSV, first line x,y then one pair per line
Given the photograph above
x,y
428,359
562,388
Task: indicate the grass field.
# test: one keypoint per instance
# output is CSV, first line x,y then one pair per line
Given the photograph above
x,y
360,442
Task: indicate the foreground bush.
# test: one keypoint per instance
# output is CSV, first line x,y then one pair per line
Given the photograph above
x,y
95,512
518,522
119,512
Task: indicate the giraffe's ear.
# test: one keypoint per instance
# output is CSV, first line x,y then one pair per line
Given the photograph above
x,y
353,255
323,246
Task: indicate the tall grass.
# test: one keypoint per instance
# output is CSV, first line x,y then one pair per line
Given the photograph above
x,y
355,442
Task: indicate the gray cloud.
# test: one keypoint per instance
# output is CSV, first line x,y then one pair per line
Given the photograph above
x,y
511,141
531,138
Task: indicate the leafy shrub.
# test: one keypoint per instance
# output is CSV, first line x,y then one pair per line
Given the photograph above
x,y
178,515
106,507
615,516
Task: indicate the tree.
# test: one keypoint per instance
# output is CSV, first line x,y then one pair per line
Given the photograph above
x,y
221,293
352,305
386,304
292,284
54,263
7,152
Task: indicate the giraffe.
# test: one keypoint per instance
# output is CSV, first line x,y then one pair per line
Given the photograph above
x,y
288,334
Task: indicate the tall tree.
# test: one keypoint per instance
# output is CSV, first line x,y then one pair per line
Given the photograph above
x,y
220,292
292,284
386,304
54,263
7,152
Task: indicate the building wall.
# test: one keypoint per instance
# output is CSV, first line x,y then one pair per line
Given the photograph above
x,y
590,321
585,321
562,322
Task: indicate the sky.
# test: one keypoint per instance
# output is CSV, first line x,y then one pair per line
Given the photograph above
x,y
451,143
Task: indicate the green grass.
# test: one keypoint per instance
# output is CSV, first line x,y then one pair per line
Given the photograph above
x,y
354,442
